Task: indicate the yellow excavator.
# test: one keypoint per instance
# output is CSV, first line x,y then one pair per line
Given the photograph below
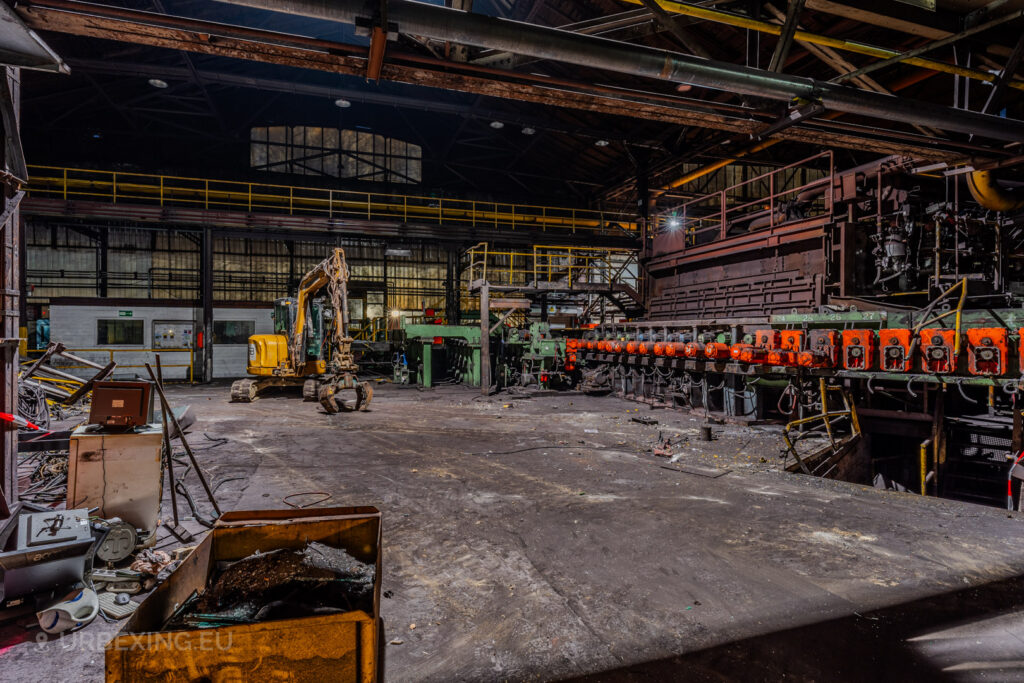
x,y
310,346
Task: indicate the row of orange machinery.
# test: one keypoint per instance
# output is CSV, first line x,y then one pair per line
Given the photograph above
x,y
978,351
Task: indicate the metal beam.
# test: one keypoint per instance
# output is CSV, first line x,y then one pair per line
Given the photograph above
x,y
178,33
995,98
542,42
934,45
786,37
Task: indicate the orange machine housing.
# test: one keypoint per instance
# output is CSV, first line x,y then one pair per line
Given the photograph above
x,y
659,348
858,349
675,349
716,350
781,357
791,340
754,354
988,349
591,344
937,347
632,346
618,346
895,349
822,350
767,339
692,349
736,350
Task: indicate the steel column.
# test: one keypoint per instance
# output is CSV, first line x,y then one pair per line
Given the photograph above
x,y
206,299
10,296
485,339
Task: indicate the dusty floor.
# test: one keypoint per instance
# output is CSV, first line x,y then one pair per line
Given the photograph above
x,y
535,539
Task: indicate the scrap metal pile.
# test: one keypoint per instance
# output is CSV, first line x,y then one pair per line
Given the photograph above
x,y
281,584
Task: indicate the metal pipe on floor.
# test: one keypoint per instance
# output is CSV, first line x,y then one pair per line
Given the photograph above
x,y
467,28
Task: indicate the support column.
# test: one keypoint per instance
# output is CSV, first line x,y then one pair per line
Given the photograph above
x,y
206,299
10,279
452,292
102,261
485,340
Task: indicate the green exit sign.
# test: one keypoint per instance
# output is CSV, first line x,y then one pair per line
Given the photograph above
x,y
124,314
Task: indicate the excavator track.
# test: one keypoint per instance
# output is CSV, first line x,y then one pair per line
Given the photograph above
x,y
311,390
244,390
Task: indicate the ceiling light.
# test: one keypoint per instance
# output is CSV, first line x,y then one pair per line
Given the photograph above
x,y
158,83
601,143
674,223
497,125
343,103
529,131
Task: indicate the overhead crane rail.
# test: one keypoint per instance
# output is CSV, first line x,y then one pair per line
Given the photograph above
x,y
79,184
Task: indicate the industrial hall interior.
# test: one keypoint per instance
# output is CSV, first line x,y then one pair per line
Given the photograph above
x,y
511,340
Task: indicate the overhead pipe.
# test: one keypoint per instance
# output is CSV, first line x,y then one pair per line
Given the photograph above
x,y
541,42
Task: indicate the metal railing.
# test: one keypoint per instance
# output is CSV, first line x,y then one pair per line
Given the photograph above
x,y
376,329
109,353
542,263
68,184
710,217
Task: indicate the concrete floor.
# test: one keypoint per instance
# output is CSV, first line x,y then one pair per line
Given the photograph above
x,y
535,539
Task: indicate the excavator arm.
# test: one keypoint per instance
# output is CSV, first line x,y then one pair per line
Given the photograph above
x,y
332,273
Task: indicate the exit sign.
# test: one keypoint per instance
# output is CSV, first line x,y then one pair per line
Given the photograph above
x,y
124,314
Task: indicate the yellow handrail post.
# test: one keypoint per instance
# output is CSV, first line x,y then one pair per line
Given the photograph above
x,y
161,190
114,186
65,184
206,195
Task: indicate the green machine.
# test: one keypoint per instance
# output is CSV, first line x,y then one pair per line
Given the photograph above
x,y
448,352
540,355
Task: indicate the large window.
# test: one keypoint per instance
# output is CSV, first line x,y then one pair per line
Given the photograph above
x,y
353,154
233,331
114,332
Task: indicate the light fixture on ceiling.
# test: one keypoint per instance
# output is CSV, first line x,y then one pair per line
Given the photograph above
x,y
529,131
158,83
497,125
601,143
342,103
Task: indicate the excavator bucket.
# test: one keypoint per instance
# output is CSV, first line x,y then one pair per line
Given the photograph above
x,y
330,390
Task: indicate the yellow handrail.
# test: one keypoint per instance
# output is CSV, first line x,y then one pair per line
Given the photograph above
x,y
212,194
548,263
